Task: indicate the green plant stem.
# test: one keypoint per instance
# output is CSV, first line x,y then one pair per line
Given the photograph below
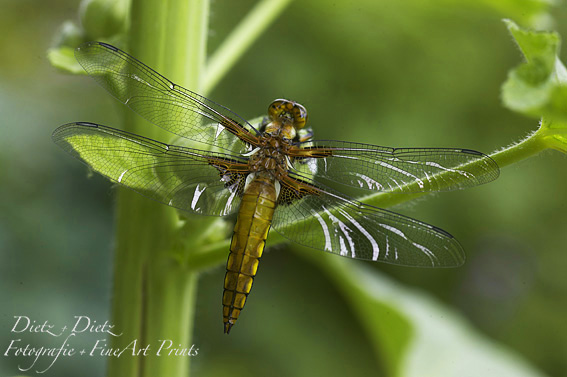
x,y
236,44
154,294
530,146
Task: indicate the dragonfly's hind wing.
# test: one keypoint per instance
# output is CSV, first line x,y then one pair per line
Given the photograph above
x,y
326,220
189,179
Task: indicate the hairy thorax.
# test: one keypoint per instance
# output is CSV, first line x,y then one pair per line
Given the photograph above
x,y
271,156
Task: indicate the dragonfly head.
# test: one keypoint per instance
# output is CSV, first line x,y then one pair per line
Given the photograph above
x,y
286,116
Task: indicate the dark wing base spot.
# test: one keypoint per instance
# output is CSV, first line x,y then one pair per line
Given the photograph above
x,y
232,173
294,189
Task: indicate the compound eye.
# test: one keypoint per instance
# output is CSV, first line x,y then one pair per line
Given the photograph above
x,y
277,108
289,112
299,116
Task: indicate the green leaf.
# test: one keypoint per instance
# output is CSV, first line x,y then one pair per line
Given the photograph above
x,y
413,334
63,58
538,87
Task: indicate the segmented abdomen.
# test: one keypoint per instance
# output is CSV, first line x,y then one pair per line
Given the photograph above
x,y
248,241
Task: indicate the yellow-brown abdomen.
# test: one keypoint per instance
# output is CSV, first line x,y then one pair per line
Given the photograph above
x,y
248,241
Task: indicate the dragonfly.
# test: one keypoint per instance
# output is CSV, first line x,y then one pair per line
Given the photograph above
x,y
273,175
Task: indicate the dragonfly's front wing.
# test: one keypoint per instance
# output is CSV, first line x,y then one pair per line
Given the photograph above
x,y
167,105
330,222
407,170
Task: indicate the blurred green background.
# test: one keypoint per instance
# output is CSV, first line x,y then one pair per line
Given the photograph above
x,y
409,73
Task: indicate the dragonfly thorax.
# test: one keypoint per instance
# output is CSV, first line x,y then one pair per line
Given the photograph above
x,y
271,156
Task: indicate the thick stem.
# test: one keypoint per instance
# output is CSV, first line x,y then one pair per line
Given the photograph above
x,y
154,294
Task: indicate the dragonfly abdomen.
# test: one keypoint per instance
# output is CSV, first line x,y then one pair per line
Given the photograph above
x,y
248,242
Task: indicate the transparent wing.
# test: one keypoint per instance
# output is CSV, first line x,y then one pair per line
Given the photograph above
x,y
407,170
188,179
162,102
325,220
